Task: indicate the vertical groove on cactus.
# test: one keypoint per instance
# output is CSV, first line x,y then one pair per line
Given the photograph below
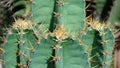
x,y
96,52
42,54
108,45
69,49
25,48
103,44
71,12
64,18
42,12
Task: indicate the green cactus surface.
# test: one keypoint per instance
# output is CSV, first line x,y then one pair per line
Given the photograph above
x,y
42,11
114,15
70,13
10,56
100,5
103,49
56,36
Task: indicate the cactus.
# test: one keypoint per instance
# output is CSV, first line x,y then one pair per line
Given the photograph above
x,y
114,15
102,46
47,40
100,5
15,39
24,11
42,12
64,15
19,8
106,10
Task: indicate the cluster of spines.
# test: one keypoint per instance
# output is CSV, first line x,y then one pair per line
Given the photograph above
x,y
61,49
23,45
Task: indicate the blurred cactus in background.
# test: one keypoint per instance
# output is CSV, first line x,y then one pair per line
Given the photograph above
x,y
115,21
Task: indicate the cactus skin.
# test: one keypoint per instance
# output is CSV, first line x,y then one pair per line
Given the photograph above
x,y
114,15
42,54
102,54
10,51
75,16
100,5
96,52
108,45
42,11
17,49
71,51
67,17
25,48
61,47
